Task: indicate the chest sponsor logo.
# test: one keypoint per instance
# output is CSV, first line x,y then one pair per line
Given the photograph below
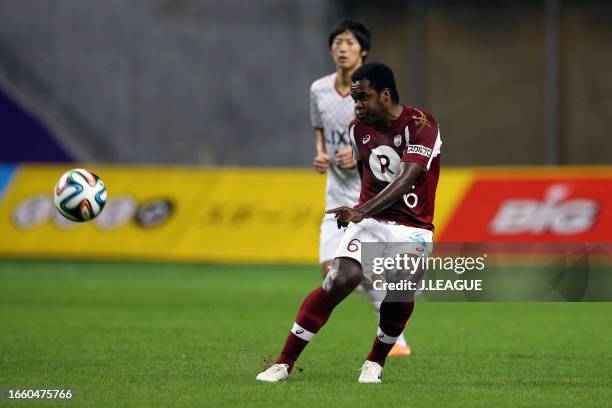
x,y
384,163
397,140
366,139
338,137
418,149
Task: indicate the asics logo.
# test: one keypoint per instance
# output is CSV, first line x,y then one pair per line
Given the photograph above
x,y
366,139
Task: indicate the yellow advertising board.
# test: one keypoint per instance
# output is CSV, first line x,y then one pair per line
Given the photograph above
x,y
170,213
258,215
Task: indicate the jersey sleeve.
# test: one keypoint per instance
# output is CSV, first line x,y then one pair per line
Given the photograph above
x,y
356,155
315,114
422,140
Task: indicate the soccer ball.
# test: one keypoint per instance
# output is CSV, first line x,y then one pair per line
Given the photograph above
x,y
79,195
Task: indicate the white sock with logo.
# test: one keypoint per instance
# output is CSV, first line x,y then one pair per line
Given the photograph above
x,y
301,332
385,338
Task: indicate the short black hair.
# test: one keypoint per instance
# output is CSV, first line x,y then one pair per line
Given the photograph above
x,y
380,77
359,30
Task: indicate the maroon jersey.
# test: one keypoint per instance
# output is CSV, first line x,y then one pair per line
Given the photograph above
x,y
413,137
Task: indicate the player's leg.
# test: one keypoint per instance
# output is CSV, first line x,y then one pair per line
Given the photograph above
x,y
343,277
329,239
393,318
398,305
401,346
395,311
329,242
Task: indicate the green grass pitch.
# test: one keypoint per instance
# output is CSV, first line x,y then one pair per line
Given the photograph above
x,y
159,335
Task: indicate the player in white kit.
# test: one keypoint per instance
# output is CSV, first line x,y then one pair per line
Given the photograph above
x,y
331,111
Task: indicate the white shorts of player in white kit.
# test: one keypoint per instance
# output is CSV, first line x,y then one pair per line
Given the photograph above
x,y
418,241
330,238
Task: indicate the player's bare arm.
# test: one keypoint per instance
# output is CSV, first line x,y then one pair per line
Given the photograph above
x,y
409,172
321,160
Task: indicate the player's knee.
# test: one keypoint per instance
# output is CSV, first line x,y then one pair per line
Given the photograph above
x,y
347,281
347,274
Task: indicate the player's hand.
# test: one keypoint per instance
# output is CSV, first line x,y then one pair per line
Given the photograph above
x,y
344,158
344,215
321,162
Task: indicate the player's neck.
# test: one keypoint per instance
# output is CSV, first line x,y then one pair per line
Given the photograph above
x,y
392,114
343,80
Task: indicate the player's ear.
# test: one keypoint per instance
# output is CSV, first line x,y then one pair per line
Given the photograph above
x,y
364,54
386,94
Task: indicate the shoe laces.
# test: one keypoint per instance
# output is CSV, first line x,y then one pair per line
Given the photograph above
x,y
278,367
370,368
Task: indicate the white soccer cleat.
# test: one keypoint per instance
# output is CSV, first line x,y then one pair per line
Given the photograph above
x,y
276,373
370,373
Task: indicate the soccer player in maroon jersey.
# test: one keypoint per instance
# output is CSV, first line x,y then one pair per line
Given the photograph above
x,y
331,111
398,152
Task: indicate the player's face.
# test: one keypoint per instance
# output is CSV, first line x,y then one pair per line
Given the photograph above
x,y
346,51
369,104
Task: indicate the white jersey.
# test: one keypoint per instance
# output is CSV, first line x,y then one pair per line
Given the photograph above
x,y
333,112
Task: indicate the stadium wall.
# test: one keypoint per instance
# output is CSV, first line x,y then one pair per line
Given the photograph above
x,y
168,82
255,215
183,82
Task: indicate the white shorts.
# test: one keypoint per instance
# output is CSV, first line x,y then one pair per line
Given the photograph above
x,y
330,238
369,230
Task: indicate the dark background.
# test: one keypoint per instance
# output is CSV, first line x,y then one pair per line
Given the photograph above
x,y
226,83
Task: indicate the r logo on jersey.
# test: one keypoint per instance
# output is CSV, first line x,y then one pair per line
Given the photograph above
x,y
384,163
